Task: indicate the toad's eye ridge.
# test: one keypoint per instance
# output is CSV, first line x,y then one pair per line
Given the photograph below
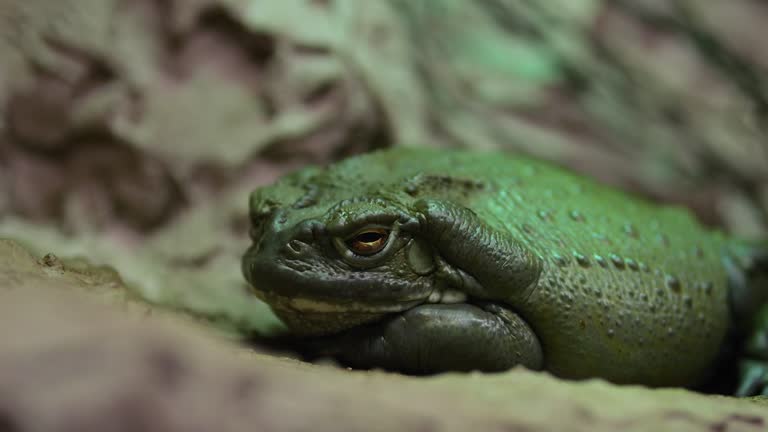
x,y
369,241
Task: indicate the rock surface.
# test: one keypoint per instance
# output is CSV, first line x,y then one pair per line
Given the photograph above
x,y
71,361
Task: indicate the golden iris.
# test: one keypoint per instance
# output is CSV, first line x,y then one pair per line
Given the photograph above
x,y
369,241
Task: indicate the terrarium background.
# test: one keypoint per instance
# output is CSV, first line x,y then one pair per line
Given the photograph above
x,y
132,131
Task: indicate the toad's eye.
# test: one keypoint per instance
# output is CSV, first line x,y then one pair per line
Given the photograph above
x,y
369,241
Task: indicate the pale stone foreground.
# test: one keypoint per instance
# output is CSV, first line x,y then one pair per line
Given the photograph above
x,y
68,361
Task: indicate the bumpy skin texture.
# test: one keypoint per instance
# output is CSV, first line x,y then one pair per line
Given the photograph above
x,y
585,281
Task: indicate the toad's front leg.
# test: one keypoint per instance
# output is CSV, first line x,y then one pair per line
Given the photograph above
x,y
479,260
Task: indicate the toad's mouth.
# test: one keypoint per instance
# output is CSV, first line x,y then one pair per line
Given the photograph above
x,y
320,316
321,305
307,304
